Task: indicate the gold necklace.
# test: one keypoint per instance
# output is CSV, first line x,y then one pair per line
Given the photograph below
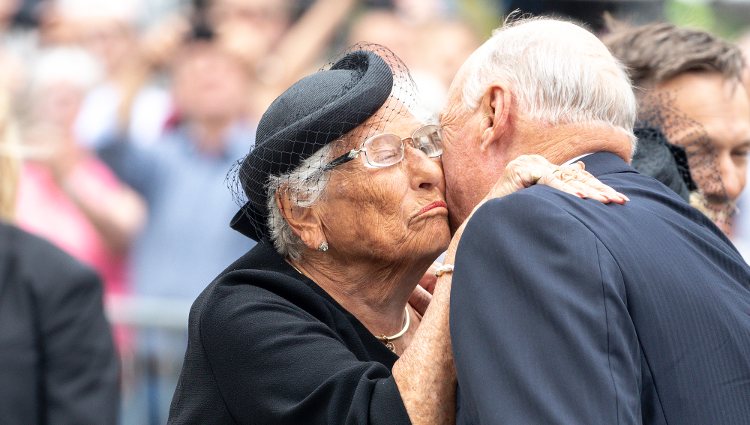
x,y
388,340
295,267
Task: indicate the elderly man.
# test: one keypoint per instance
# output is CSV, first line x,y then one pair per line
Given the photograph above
x,y
565,310
689,85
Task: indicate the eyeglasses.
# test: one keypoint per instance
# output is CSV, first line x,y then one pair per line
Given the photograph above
x,y
384,150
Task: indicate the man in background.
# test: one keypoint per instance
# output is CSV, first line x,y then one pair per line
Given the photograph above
x,y
689,85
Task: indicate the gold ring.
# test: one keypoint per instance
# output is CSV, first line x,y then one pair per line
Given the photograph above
x,y
566,174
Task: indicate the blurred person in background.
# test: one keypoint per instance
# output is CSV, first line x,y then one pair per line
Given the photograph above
x,y
58,364
18,39
9,161
444,45
182,177
688,72
741,235
276,41
385,27
66,194
250,28
744,45
432,45
8,30
591,12
8,9
124,105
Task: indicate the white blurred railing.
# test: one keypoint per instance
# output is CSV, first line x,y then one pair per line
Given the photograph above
x,y
148,312
152,335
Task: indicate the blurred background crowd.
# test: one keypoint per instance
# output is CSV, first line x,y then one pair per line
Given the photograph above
x,y
129,115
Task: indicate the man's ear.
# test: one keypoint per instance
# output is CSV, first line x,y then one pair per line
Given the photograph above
x,y
496,105
303,221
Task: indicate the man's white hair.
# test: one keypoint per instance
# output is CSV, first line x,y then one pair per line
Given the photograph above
x,y
559,73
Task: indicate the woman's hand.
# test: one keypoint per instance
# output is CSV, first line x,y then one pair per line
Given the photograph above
x,y
422,295
528,170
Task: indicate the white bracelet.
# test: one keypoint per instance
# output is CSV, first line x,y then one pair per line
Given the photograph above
x,y
445,268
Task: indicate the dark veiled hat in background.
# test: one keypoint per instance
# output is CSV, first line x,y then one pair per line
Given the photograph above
x,y
312,113
689,164
665,162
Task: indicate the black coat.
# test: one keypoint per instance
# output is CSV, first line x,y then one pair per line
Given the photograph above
x,y
268,346
570,311
57,360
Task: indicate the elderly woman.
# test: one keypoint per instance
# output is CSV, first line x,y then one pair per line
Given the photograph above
x,y
313,325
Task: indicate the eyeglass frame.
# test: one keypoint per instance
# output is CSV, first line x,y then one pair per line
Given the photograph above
x,y
354,153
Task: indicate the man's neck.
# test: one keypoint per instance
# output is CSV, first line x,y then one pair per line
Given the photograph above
x,y
561,143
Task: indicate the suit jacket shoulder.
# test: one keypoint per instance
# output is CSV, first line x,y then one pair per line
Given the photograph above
x,y
55,343
640,307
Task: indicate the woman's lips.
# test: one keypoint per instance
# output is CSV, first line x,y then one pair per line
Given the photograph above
x,y
433,205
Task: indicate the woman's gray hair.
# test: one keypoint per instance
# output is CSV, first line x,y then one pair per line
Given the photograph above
x,y
304,186
550,81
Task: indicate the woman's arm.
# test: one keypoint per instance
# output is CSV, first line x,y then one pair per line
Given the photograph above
x,y
425,374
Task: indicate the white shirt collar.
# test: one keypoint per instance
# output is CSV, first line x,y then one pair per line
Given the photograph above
x,y
576,158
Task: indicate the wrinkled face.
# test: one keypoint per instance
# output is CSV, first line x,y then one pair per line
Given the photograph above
x,y
389,213
722,109
467,179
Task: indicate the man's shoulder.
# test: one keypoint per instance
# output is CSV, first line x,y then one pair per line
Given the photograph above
x,y
534,203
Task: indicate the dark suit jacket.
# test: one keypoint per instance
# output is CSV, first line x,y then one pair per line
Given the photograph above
x,y
57,360
569,311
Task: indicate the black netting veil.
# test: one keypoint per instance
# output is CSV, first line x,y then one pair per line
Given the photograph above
x,y
353,97
676,150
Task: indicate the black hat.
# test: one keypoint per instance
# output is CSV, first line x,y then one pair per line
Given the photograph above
x,y
658,158
313,112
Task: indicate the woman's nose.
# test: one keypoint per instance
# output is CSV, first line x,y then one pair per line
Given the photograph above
x,y
425,172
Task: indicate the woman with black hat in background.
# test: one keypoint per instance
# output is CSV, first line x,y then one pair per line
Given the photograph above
x,y
313,326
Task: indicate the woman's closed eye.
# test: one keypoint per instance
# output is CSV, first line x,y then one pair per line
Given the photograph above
x,y
386,155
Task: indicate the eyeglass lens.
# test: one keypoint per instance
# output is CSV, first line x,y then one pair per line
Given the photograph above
x,y
387,149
